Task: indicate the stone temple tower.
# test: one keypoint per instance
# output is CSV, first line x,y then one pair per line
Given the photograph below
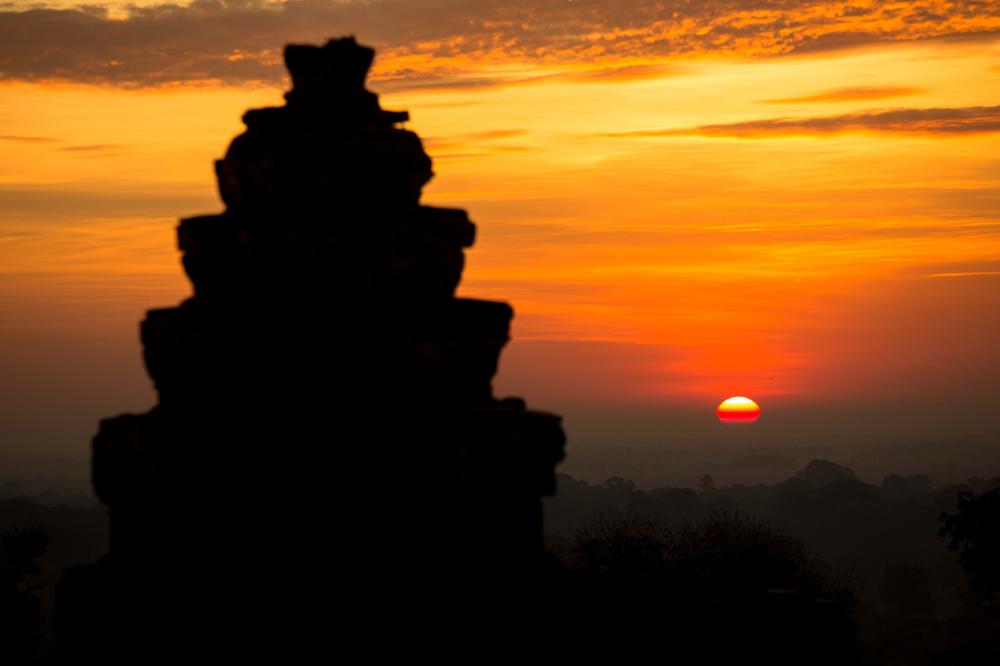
x,y
326,434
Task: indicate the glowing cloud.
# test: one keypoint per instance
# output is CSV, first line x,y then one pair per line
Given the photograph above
x,y
942,121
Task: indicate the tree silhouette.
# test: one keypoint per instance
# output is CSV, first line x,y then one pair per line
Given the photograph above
x,y
974,532
735,553
623,544
723,576
21,550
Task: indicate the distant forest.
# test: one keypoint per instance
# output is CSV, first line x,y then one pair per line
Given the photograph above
x,y
903,572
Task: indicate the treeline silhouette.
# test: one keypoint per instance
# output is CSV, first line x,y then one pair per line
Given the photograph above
x,y
726,585
902,572
21,550
37,543
907,572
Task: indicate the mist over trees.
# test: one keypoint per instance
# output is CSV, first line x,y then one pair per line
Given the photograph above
x,y
903,572
911,569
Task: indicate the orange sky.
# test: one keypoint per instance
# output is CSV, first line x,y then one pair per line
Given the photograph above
x,y
798,203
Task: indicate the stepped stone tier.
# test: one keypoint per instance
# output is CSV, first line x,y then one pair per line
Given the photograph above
x,y
326,431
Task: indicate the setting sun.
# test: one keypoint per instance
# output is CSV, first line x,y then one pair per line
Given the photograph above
x,y
738,410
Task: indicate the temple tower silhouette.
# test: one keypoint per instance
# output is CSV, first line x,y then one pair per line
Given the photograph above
x,y
326,426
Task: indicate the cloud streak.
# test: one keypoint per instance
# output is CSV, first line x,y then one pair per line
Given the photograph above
x,y
966,274
83,201
27,139
236,41
847,95
939,121
93,148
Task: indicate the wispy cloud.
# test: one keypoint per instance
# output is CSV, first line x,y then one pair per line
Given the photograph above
x,y
977,269
451,79
414,81
626,73
965,274
474,145
955,269
945,121
94,148
27,139
475,137
83,200
237,42
847,95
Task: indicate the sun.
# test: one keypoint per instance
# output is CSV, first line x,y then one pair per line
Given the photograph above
x,y
738,410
